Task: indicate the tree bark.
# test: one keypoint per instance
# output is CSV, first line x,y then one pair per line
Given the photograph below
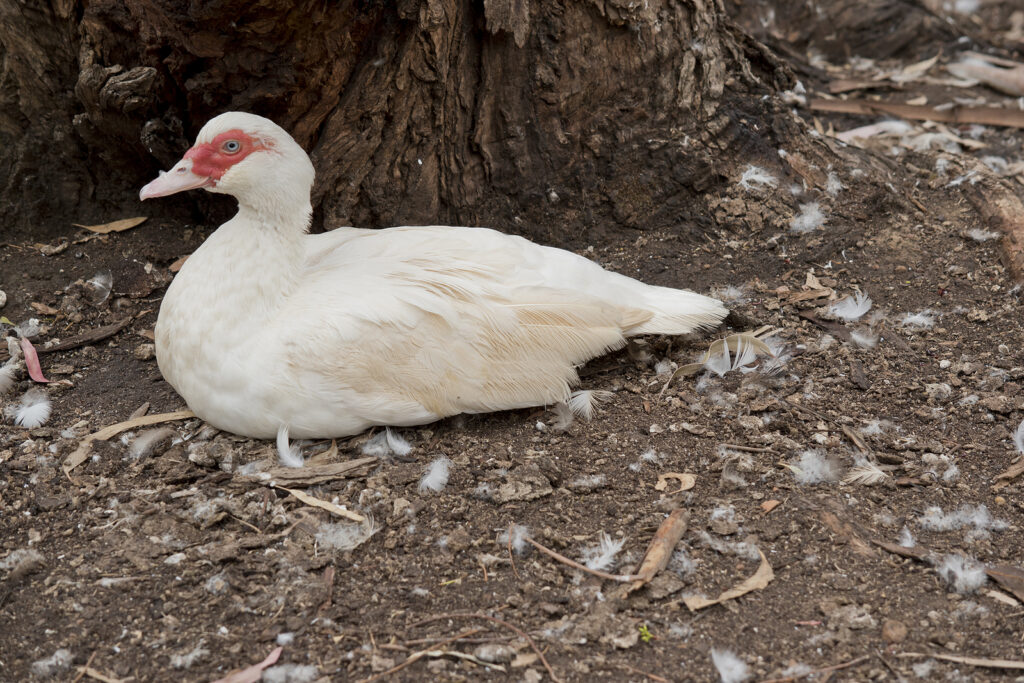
x,y
546,118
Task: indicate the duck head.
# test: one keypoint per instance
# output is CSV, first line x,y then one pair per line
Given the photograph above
x,y
243,155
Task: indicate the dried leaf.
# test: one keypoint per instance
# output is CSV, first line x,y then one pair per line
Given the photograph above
x,y
757,581
253,673
1012,472
176,266
43,308
686,482
659,552
35,371
324,505
770,505
115,226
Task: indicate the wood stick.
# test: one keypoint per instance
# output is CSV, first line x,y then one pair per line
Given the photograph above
x,y
518,631
827,669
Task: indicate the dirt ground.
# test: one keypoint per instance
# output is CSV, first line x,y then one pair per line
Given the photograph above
x,y
185,563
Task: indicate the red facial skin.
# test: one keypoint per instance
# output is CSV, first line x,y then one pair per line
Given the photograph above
x,y
212,159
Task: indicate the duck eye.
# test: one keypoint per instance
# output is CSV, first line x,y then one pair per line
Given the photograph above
x,y
232,146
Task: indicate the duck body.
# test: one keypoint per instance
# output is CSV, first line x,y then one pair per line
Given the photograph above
x,y
266,326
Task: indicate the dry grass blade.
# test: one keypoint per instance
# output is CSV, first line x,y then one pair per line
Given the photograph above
x,y
89,672
324,505
757,581
114,226
971,661
659,552
82,452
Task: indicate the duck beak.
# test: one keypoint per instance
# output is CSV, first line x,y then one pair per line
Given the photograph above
x,y
178,179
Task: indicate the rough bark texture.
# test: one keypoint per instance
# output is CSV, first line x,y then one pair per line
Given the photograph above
x,y
519,114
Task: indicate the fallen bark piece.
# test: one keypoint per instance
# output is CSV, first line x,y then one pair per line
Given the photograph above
x,y
1009,577
85,447
114,226
757,581
324,505
1002,210
253,673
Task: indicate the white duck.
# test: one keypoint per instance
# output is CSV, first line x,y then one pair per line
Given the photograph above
x,y
268,329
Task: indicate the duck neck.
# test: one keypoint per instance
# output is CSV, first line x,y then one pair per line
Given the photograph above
x,y
245,272
268,245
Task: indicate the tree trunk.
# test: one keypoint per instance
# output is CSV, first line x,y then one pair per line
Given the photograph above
x,y
544,118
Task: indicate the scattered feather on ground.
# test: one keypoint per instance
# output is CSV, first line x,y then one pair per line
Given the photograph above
x,y
435,478
962,574
815,467
56,663
979,235
345,535
291,673
186,660
287,453
518,535
851,308
731,669
1018,438
584,403
602,555
33,409
923,319
756,178
809,218
865,474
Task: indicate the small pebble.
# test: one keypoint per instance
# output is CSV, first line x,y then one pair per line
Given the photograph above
x,y
145,352
894,631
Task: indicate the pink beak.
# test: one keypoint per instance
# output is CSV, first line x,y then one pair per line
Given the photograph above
x,y
178,179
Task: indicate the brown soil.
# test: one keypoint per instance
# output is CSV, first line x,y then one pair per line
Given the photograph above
x,y
142,562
